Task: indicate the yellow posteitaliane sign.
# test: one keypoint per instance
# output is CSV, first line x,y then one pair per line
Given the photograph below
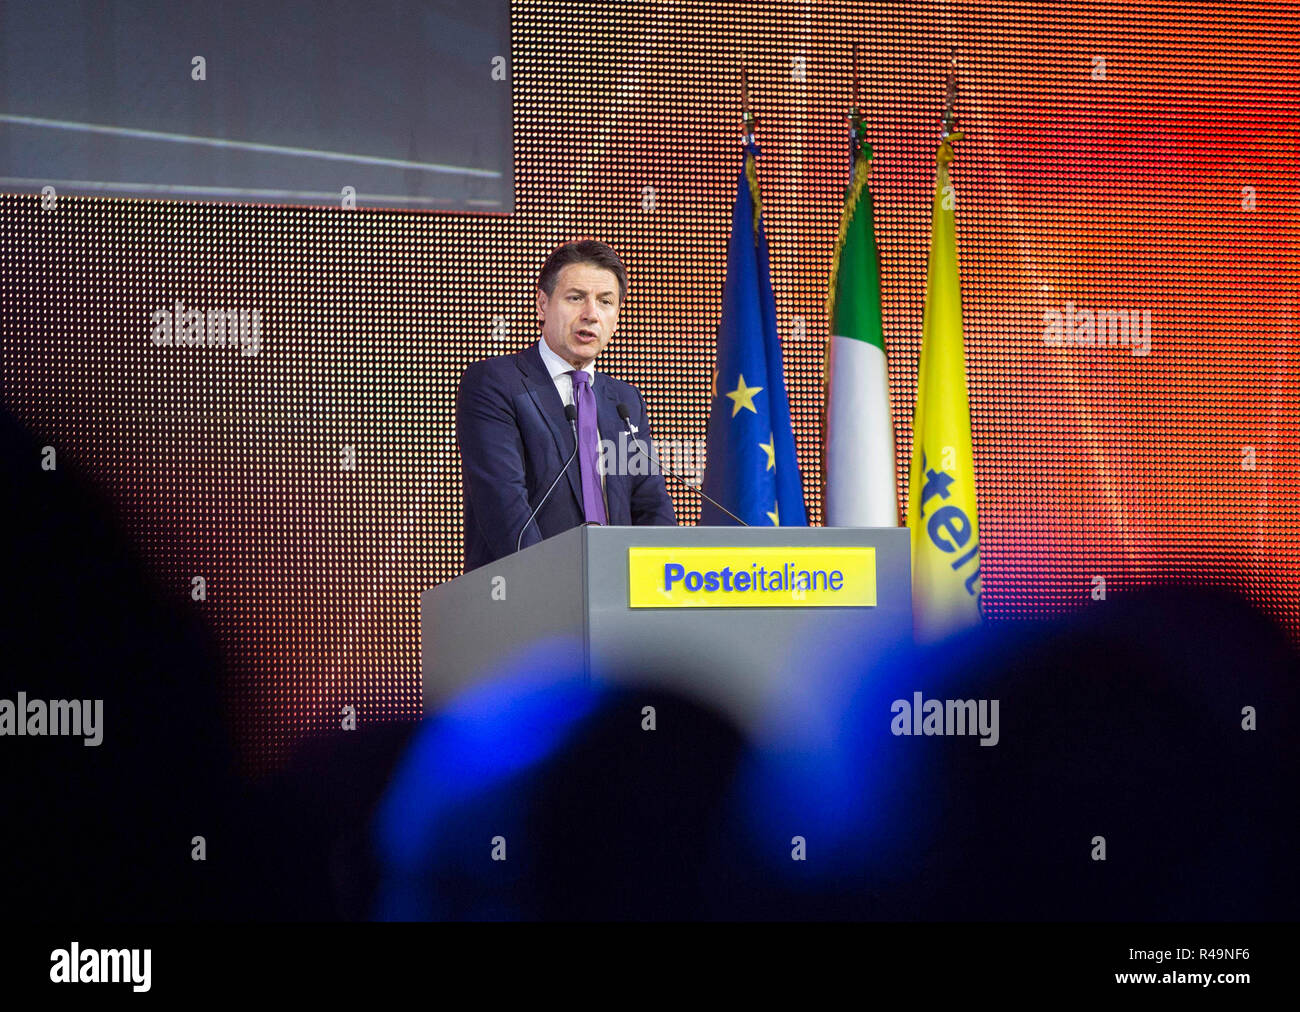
x,y
752,578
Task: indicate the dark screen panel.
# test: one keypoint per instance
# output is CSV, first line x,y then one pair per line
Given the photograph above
x,y
391,103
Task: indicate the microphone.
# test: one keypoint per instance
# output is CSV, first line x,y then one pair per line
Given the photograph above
x,y
623,414
571,413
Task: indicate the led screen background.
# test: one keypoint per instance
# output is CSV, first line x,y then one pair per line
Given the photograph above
x,y
1117,156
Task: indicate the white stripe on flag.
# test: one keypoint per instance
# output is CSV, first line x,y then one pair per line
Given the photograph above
x,y
861,475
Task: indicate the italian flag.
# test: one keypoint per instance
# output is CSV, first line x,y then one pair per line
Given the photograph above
x,y
861,476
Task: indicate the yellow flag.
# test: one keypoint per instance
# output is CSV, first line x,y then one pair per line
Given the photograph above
x,y
941,509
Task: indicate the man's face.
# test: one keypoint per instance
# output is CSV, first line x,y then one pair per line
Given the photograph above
x,y
581,315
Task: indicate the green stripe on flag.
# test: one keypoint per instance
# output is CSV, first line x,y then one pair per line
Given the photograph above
x,y
855,269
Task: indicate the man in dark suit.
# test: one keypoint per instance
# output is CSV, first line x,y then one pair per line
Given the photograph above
x,y
513,434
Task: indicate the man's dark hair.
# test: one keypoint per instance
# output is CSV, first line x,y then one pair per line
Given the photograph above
x,y
585,251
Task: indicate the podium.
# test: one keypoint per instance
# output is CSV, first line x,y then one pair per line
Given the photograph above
x,y
664,606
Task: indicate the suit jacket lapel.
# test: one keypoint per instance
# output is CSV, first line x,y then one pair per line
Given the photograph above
x,y
541,388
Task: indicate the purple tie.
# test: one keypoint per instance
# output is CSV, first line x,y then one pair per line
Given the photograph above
x,y
593,501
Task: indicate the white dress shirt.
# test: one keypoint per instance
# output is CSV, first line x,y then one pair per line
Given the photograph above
x,y
559,370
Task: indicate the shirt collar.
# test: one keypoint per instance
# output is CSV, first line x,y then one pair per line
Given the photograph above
x,y
556,366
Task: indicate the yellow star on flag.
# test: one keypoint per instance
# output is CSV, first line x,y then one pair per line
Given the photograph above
x,y
743,397
776,509
771,451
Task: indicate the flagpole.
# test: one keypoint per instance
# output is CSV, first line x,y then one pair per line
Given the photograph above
x,y
749,143
749,122
948,121
949,118
857,123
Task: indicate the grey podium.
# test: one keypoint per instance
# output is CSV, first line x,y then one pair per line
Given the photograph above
x,y
617,604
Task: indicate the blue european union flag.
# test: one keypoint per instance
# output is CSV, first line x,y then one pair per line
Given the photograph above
x,y
752,468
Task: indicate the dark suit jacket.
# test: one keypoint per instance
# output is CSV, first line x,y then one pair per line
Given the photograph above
x,y
513,440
